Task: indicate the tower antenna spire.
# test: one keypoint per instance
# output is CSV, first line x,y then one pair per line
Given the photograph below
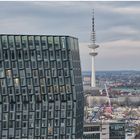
x,y
93,35
93,47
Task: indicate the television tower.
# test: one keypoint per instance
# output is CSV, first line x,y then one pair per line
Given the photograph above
x,y
93,52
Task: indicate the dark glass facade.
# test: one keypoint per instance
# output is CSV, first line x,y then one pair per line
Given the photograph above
x,y
92,132
92,136
117,131
41,91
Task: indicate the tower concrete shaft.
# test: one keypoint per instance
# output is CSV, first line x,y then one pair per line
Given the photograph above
x,y
93,81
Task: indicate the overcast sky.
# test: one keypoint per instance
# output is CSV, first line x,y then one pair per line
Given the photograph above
x,y
117,28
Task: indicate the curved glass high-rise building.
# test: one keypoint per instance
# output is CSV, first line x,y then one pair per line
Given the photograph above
x,y
41,91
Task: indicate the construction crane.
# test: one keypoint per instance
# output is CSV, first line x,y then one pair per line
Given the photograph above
x,y
107,94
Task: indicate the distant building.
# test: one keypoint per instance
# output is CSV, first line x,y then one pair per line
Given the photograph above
x,y
92,131
86,80
117,130
41,92
104,130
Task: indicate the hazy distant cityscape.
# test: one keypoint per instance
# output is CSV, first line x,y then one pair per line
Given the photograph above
x,y
123,88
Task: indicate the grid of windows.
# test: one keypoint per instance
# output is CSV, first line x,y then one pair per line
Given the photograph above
x,y
92,136
92,128
41,87
117,130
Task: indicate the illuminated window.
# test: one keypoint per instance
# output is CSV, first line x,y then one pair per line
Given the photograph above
x,y
8,73
62,89
50,131
16,82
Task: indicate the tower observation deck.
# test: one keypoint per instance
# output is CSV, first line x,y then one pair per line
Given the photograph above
x,y
93,46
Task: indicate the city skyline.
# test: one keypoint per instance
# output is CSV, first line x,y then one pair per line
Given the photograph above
x,y
116,24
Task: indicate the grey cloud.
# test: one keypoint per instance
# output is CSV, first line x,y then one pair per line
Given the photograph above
x,y
74,18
